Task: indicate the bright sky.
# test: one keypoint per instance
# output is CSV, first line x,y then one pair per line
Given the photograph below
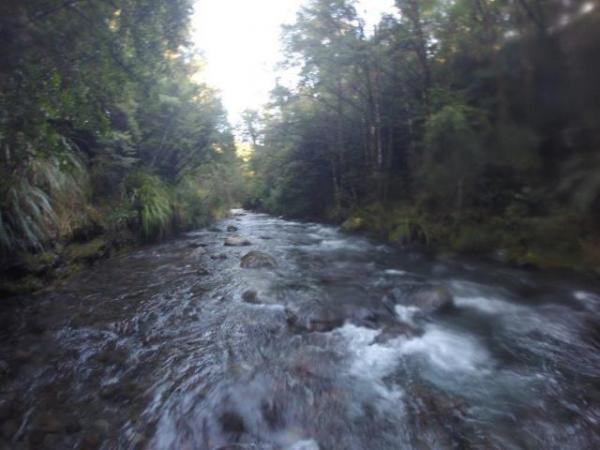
x,y
240,40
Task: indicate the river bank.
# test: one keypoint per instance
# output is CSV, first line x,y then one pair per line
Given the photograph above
x,y
560,241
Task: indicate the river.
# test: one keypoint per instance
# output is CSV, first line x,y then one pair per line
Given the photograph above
x,y
164,348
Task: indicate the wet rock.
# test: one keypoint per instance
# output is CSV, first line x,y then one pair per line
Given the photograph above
x,y
394,331
237,241
250,296
434,300
258,260
197,253
202,271
314,321
232,422
197,244
429,299
222,256
214,230
232,228
266,238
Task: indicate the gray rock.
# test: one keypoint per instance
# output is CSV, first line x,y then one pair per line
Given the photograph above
x,y
231,228
433,300
250,296
237,241
197,253
314,321
429,299
258,260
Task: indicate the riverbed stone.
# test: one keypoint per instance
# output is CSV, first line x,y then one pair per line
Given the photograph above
x,y
197,253
237,241
250,296
434,300
322,320
232,228
258,260
430,299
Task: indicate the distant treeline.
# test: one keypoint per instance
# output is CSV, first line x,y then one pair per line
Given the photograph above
x,y
102,130
471,125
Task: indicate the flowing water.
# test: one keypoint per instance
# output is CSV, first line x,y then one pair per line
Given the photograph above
x,y
157,349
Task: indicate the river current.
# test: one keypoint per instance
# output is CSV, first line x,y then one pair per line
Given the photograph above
x,y
175,346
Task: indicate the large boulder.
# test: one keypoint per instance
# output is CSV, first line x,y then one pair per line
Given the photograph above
x,y
237,241
258,260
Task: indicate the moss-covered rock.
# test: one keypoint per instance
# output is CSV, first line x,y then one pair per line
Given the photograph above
x,y
38,263
355,223
24,285
88,252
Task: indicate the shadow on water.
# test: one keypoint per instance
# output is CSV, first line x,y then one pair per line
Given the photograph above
x,y
346,344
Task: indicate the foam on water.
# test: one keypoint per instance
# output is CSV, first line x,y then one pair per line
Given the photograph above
x,y
406,313
370,361
395,272
449,351
488,305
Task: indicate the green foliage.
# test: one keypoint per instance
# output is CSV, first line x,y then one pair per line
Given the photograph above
x,y
38,200
151,199
479,118
102,128
451,160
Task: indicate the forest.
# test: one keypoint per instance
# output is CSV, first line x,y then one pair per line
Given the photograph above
x,y
467,126
106,138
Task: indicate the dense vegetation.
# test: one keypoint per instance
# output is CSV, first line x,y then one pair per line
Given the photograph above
x,y
466,125
105,138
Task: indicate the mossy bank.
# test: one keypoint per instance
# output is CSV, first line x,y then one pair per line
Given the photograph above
x,y
551,241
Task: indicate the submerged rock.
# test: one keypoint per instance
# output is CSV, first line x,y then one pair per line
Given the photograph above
x,y
237,241
250,296
258,260
434,300
429,299
231,228
314,321
197,253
